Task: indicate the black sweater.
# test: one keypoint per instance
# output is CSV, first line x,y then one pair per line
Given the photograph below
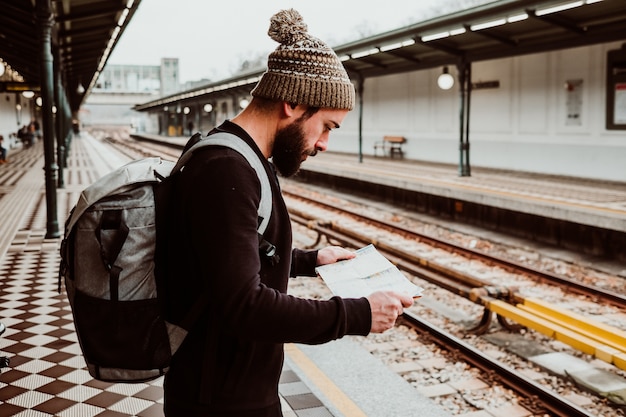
x,y
231,361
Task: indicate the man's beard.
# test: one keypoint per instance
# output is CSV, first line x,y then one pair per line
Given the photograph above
x,y
289,149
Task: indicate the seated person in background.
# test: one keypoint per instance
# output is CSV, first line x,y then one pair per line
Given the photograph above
x,y
3,151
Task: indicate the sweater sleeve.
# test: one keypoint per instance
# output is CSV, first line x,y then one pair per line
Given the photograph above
x,y
303,263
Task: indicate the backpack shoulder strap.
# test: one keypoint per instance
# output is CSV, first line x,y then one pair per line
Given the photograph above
x,y
265,206
236,143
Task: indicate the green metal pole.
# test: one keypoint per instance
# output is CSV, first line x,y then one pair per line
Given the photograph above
x,y
461,69
468,101
43,14
361,82
464,92
59,123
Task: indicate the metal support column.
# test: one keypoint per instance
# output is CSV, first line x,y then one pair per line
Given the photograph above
x,y
43,15
360,94
465,92
67,127
60,120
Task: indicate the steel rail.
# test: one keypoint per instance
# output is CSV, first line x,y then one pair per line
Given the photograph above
x,y
524,386
611,297
601,341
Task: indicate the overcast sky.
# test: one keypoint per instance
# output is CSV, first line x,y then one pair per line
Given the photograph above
x,y
211,38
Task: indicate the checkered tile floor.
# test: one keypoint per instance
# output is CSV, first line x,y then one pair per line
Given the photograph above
x,y
47,374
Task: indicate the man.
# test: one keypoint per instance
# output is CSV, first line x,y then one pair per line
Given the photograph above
x,y
230,363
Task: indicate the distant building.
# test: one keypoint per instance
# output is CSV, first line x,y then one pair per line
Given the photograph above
x,y
170,80
155,79
120,87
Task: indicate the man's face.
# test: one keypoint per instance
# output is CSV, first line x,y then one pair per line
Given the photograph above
x,y
302,138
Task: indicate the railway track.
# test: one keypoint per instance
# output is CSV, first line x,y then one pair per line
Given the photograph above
x,y
504,302
599,294
537,398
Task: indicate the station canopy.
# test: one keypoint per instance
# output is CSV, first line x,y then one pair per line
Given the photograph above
x,y
494,30
84,32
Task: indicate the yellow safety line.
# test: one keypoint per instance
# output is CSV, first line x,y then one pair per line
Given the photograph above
x,y
323,383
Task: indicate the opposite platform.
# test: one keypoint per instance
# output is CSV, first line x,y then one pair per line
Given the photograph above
x,y
589,202
580,215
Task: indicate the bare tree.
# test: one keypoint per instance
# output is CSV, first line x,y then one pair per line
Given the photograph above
x,y
250,61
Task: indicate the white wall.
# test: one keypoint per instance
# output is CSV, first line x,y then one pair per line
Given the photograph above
x,y
522,125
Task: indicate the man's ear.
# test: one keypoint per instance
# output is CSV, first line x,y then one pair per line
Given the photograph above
x,y
288,108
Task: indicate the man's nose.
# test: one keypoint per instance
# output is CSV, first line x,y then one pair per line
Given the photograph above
x,y
321,145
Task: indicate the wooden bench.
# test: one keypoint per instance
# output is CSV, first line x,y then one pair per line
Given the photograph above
x,y
390,145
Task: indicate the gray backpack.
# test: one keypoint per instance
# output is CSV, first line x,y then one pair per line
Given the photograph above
x,y
108,266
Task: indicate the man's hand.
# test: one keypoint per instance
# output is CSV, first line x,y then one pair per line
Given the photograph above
x,y
332,254
386,306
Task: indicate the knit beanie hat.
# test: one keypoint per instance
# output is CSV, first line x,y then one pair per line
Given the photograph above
x,y
303,69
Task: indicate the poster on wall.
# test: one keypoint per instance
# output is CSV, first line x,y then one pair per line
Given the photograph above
x,y
574,102
619,113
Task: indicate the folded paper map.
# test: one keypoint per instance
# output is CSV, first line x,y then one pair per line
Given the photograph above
x,y
368,272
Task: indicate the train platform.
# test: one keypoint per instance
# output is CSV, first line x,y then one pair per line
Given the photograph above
x,y
47,374
577,214
594,203
562,213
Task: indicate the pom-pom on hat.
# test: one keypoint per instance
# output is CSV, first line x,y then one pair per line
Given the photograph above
x,y
303,69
